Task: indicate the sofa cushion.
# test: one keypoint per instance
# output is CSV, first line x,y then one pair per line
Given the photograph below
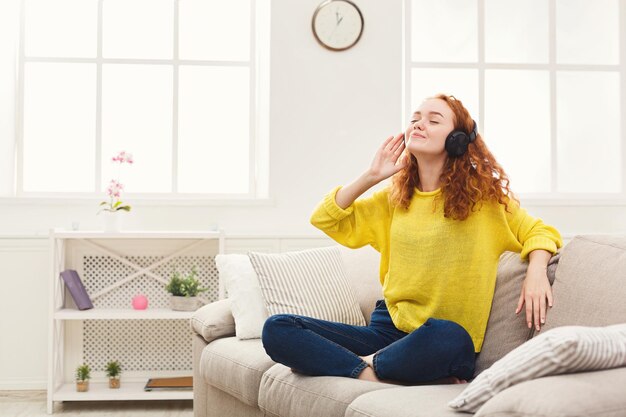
x,y
566,349
287,394
236,367
310,282
417,401
213,320
505,329
590,288
598,394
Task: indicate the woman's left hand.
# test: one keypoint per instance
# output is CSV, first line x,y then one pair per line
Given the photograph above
x,y
535,290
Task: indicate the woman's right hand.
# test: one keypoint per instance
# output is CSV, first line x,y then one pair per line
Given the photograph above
x,y
385,163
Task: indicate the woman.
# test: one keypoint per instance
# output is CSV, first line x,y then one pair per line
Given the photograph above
x,y
440,228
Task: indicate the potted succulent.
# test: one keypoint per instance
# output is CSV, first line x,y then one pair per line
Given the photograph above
x,y
113,371
184,290
82,378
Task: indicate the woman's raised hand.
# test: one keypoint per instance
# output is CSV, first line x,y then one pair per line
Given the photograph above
x,y
385,163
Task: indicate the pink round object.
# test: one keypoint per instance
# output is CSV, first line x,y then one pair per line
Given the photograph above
x,y
140,302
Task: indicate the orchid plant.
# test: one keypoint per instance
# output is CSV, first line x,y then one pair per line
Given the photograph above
x,y
114,190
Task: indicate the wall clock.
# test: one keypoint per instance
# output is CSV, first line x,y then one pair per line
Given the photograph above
x,y
337,24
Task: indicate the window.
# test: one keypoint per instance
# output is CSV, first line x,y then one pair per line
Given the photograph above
x,y
542,78
173,82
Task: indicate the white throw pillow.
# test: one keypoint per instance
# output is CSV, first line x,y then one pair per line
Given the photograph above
x,y
242,285
560,350
310,283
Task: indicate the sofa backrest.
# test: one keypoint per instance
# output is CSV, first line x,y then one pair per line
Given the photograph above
x,y
506,330
362,267
590,284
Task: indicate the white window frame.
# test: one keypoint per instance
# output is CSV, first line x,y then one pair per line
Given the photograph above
x,y
552,198
258,190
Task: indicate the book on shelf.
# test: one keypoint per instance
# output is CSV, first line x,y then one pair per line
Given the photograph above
x,y
175,383
76,289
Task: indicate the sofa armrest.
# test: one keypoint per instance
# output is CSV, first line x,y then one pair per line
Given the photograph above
x,y
597,393
213,321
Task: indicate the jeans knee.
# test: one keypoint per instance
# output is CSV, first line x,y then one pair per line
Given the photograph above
x,y
271,332
460,346
453,332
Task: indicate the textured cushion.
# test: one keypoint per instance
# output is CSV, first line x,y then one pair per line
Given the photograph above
x,y
505,329
287,394
311,283
418,401
242,286
235,366
590,285
597,394
562,350
213,320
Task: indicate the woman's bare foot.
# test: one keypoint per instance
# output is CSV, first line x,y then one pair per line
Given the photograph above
x,y
368,360
368,374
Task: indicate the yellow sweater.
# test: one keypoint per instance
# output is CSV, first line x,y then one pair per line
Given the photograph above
x,y
432,266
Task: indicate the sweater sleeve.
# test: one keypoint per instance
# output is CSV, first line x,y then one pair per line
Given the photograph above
x,y
532,233
365,222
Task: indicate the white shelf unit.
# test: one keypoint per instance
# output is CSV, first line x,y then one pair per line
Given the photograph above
x,y
113,267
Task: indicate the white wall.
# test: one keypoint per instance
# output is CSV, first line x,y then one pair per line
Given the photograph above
x,y
329,112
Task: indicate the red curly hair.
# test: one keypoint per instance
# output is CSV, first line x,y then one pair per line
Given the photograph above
x,y
466,181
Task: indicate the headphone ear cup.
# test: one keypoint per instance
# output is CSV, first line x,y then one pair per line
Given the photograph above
x,y
456,143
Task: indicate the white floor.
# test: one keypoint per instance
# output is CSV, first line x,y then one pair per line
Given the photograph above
x,y
33,404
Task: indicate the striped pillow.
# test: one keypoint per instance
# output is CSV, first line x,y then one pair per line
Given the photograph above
x,y
560,350
309,283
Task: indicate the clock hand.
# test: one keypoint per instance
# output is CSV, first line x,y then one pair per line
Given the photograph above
x,y
339,21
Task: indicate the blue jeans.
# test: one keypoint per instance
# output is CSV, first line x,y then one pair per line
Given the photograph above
x,y
437,349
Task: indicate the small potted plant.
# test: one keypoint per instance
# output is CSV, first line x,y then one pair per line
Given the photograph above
x,y
184,291
113,371
82,378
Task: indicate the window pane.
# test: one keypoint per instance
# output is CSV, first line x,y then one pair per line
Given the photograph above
x,y
461,83
137,118
516,31
61,28
588,132
59,127
213,129
454,22
214,30
587,31
138,29
517,126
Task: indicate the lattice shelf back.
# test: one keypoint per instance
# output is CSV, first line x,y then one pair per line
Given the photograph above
x,y
139,345
100,272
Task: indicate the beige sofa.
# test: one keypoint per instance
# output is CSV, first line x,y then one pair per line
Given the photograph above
x,y
236,378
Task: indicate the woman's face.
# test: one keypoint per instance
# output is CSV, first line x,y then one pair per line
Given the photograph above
x,y
428,129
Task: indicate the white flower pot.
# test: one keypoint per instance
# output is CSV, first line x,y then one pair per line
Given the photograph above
x,y
113,220
183,303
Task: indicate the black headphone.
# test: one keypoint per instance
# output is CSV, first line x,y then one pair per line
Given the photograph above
x,y
457,141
